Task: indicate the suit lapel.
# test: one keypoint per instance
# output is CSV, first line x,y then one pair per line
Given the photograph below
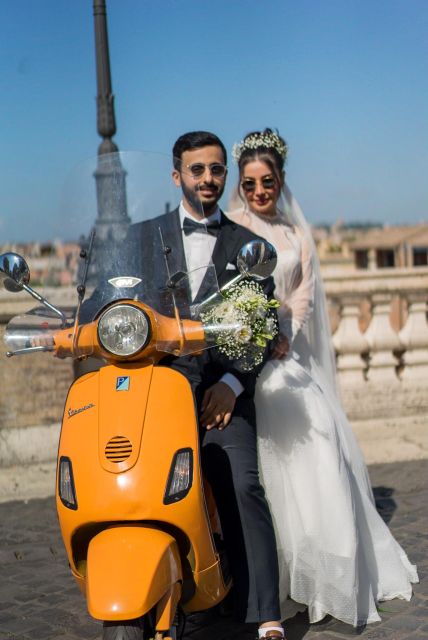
x,y
226,246
223,250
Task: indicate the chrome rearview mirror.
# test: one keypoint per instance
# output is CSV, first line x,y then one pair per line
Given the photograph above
x,y
15,276
14,272
257,259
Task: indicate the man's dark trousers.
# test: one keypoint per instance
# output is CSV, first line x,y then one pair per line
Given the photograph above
x,y
229,460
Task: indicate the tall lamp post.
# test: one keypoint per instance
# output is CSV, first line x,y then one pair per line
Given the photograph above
x,y
112,217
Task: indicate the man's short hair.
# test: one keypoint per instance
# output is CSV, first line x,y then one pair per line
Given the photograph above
x,y
195,140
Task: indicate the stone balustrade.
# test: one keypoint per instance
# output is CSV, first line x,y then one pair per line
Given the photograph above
x,y
381,340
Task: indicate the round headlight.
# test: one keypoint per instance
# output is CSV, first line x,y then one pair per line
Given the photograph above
x,y
123,330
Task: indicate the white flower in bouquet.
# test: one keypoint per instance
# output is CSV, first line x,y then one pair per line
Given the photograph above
x,y
243,335
271,325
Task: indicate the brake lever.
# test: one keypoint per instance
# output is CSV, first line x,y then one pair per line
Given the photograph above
x,y
20,352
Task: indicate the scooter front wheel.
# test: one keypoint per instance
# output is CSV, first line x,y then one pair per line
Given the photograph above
x,y
124,630
134,630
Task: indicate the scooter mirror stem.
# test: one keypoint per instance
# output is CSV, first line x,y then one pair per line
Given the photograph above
x,y
47,304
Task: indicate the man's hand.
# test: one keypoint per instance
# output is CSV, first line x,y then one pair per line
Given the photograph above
x,y
281,347
217,406
42,341
48,341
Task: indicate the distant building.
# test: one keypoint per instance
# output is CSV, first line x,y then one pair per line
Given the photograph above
x,y
333,247
391,247
52,264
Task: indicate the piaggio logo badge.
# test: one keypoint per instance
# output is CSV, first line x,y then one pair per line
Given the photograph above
x,y
122,383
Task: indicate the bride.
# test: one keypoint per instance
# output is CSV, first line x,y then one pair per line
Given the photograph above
x,y
336,555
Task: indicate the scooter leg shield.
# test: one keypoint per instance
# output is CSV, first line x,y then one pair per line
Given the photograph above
x,y
129,570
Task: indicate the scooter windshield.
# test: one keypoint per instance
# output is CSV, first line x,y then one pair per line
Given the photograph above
x,y
123,226
135,245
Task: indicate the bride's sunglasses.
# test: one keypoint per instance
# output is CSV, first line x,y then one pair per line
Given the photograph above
x,y
249,184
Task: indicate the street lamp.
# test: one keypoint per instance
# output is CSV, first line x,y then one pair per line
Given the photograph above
x,y
112,218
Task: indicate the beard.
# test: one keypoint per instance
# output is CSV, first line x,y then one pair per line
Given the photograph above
x,y
197,202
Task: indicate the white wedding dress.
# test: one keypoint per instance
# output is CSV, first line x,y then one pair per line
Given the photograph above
x,y
336,555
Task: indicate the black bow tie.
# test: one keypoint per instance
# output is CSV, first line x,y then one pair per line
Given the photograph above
x,y
189,226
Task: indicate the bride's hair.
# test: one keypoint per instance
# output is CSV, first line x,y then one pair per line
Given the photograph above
x,y
267,146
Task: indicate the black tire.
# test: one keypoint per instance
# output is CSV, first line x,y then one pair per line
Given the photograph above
x,y
124,630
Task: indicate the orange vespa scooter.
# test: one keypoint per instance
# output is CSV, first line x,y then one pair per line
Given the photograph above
x,y
130,493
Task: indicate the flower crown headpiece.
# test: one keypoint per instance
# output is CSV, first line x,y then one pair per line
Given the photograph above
x,y
257,141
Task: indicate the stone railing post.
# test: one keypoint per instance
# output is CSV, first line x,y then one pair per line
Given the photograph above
x,y
382,340
414,336
350,342
372,260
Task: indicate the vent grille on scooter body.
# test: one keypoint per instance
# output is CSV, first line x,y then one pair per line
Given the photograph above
x,y
118,449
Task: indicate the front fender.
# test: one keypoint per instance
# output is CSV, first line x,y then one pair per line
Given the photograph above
x,y
130,568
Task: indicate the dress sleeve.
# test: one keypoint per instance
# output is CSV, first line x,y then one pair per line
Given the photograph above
x,y
296,309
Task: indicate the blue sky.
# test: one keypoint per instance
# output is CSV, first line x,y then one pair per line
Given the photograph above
x,y
345,82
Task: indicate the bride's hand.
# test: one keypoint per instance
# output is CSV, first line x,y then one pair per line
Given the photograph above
x,y
280,348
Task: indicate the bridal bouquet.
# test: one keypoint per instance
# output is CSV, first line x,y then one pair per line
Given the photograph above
x,y
242,323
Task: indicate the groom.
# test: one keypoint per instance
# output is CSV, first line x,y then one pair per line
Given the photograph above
x,y
194,232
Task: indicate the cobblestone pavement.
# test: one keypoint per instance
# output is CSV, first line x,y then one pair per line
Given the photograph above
x,y
39,600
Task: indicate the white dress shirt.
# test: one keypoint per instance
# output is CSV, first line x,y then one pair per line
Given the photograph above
x,y
198,250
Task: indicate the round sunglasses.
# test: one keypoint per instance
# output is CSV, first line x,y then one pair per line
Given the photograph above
x,y
216,169
249,184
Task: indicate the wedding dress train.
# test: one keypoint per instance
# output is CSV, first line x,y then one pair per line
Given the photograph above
x,y
336,555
